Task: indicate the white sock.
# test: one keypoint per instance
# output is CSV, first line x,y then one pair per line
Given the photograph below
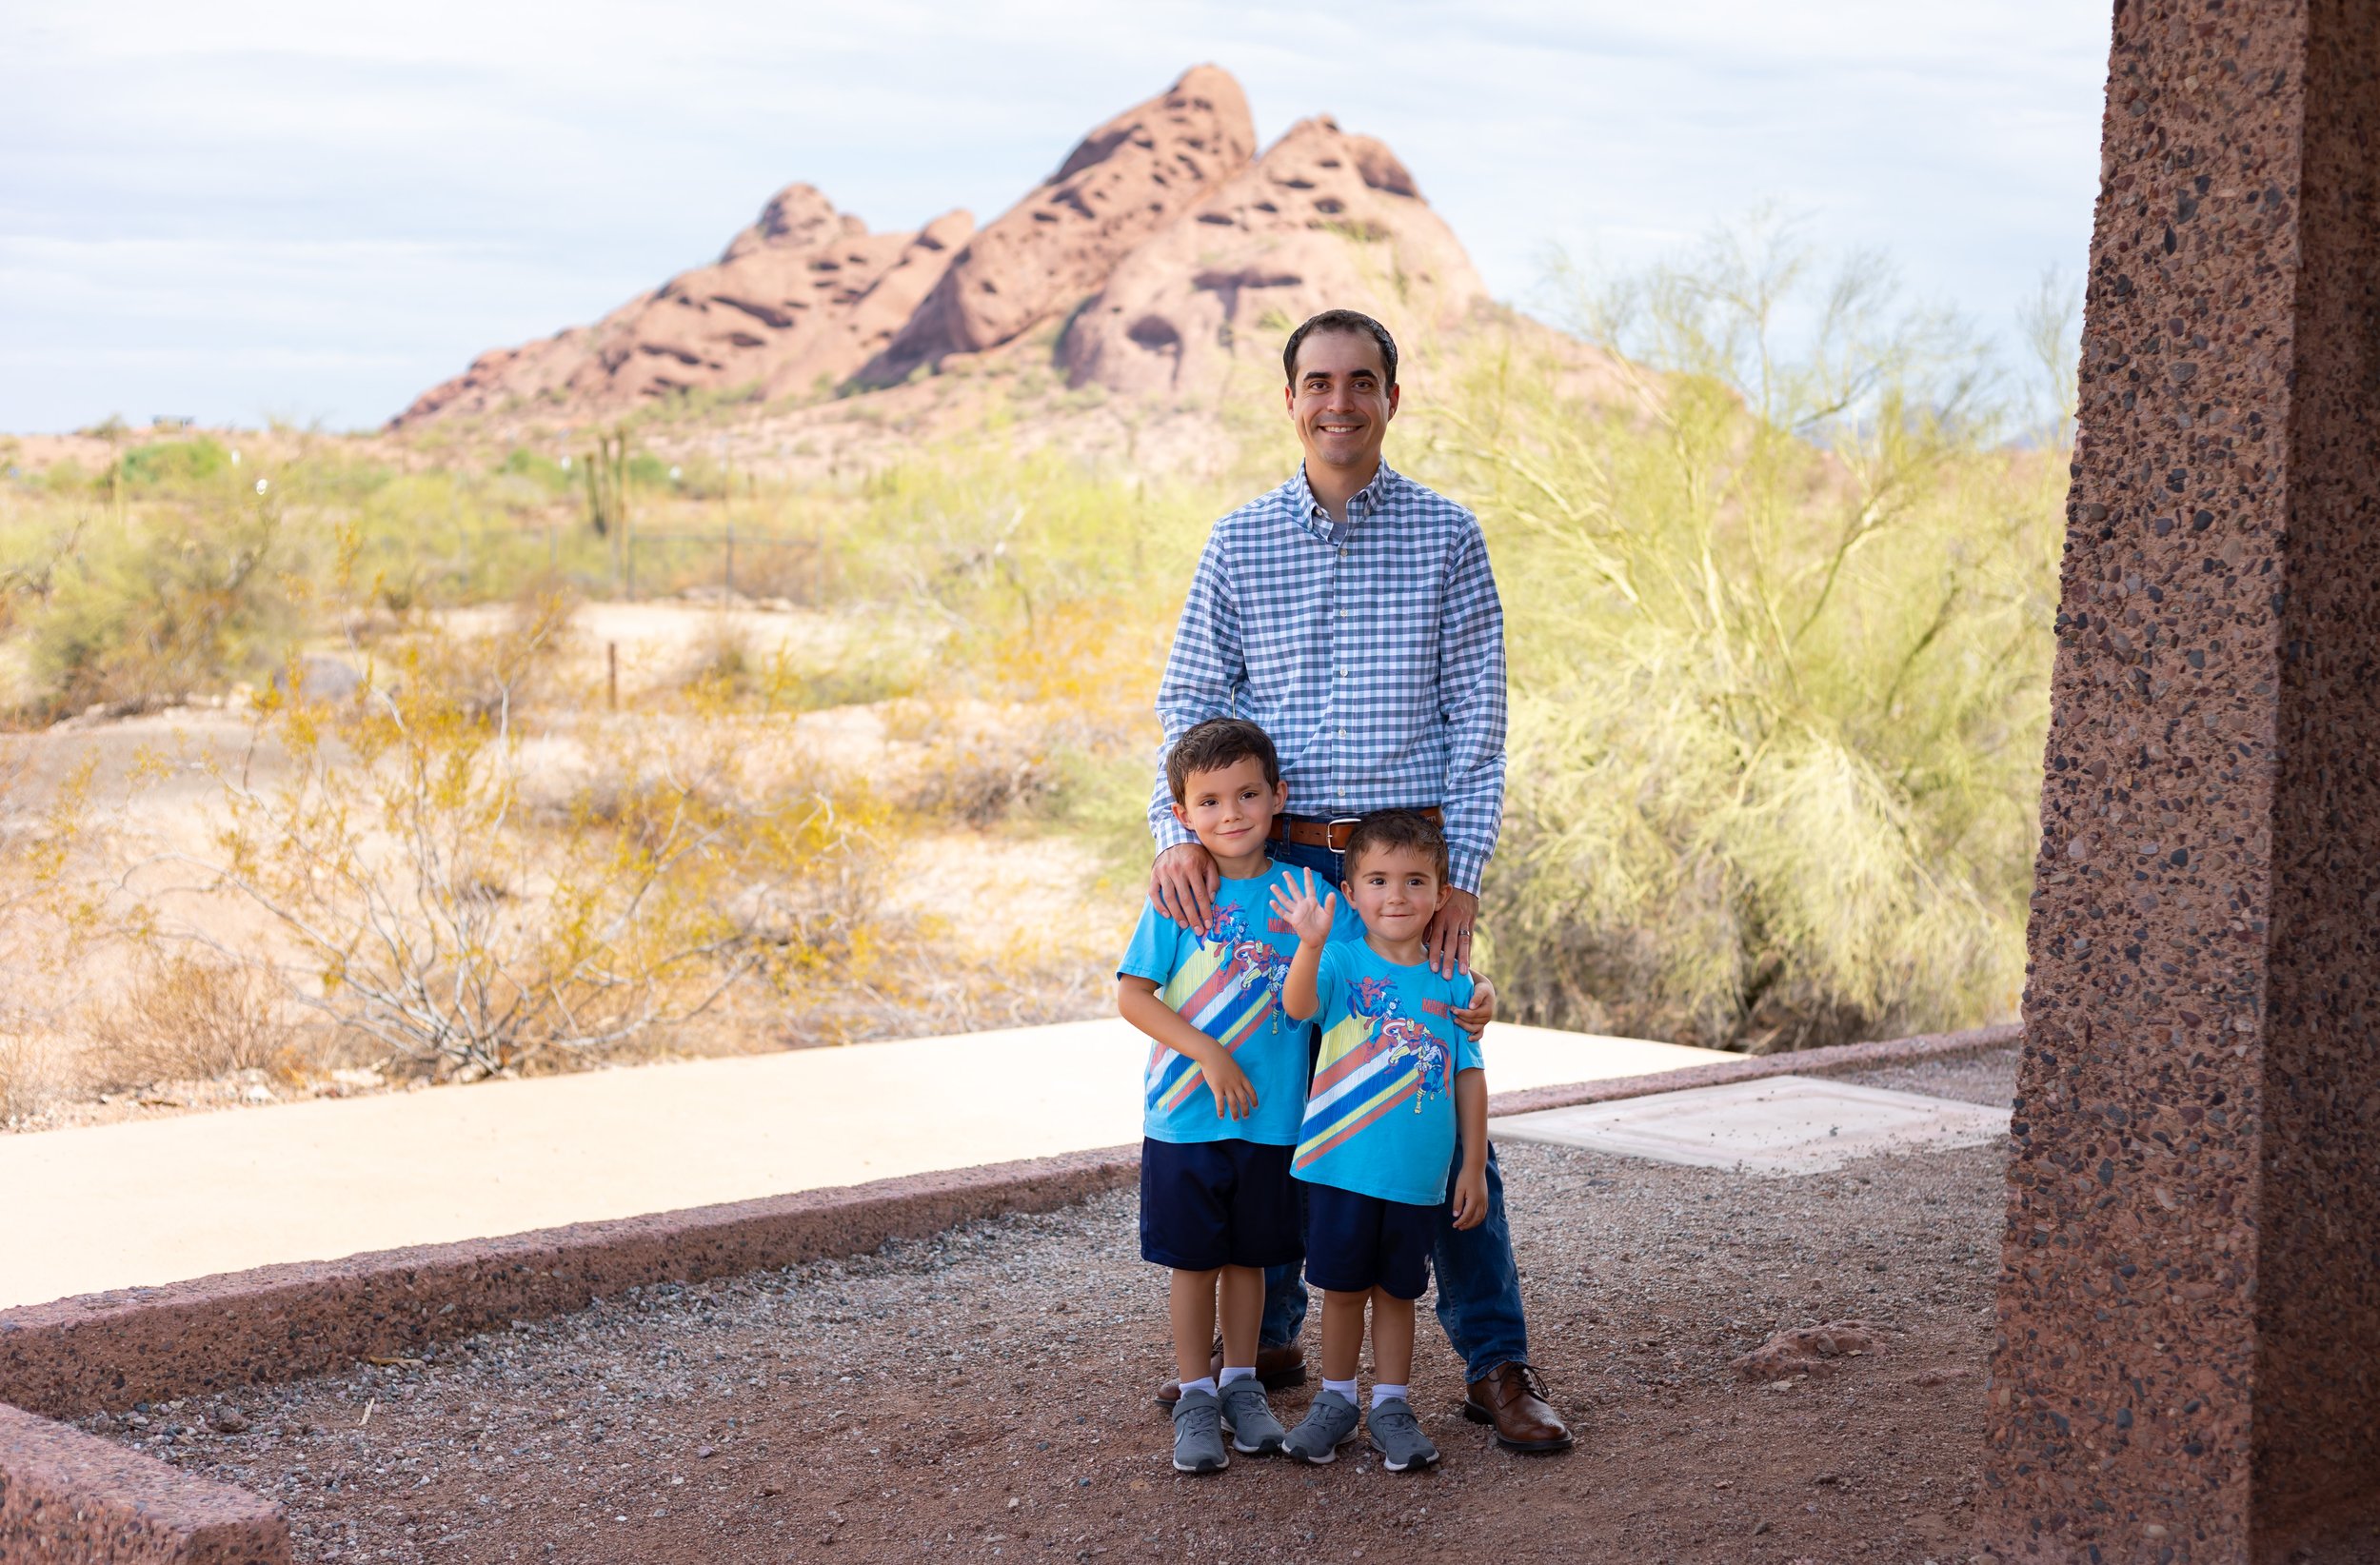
x,y
1345,1388
1381,1394
1233,1372
1204,1383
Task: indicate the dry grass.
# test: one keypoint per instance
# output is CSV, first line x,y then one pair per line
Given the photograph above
x,y
33,1075
981,772
195,1019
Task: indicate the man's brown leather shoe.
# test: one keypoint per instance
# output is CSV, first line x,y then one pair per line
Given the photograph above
x,y
1512,1397
1279,1368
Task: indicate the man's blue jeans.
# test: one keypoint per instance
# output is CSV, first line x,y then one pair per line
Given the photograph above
x,y
1478,1285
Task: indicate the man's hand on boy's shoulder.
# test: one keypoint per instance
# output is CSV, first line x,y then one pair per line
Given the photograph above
x,y
1183,883
1475,1017
1448,939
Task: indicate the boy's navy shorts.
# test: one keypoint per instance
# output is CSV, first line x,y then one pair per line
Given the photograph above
x,y
1356,1242
1205,1204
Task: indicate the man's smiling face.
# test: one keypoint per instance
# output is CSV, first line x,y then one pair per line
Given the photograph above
x,y
1340,400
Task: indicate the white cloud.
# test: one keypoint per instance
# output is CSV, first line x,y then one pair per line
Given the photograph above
x,y
377,193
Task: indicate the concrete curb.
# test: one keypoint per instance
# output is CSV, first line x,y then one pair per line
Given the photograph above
x,y
68,1496
1835,1059
104,1352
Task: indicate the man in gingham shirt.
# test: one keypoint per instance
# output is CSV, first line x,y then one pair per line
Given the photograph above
x,y
1352,615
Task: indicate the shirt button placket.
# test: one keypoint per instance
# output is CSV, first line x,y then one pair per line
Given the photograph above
x,y
1338,552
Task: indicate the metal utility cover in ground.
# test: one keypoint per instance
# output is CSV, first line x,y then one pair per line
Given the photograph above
x,y
1787,1125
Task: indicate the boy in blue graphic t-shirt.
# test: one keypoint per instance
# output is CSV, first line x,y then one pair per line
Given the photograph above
x,y
1394,1083
1224,1089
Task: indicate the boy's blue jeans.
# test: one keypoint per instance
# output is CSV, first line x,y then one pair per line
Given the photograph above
x,y
1478,1285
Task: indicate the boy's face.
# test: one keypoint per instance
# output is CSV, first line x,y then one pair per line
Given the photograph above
x,y
1398,891
1232,807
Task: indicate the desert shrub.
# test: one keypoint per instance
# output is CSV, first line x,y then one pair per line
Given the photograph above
x,y
1780,645
730,672
429,907
545,471
991,540
174,463
33,1075
970,763
185,1017
46,923
151,611
1100,797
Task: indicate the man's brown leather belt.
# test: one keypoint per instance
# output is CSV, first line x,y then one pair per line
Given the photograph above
x,y
1333,835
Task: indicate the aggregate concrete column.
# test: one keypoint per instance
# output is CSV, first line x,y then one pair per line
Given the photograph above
x,y
2188,1362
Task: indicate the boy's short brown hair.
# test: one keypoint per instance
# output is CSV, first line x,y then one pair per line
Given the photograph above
x,y
1214,744
1397,829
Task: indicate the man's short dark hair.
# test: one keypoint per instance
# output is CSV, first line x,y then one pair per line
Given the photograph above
x,y
1341,319
1214,744
1397,829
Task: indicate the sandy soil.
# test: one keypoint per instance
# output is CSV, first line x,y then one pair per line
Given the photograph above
x,y
986,1394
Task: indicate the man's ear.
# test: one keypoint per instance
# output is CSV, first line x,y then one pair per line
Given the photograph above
x,y
1395,394
1289,400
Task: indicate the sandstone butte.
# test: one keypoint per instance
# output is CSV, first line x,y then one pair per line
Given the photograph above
x,y
1172,254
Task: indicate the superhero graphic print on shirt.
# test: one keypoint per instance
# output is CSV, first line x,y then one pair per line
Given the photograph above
x,y
1228,985
1380,1116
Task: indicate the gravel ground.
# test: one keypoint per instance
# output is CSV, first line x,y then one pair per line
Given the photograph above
x,y
986,1394
1988,1079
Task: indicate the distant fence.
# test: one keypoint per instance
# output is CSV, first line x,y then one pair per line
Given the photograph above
x,y
751,565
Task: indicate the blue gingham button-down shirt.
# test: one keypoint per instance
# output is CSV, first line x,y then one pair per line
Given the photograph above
x,y
1372,651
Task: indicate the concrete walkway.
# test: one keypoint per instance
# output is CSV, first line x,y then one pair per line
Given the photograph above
x,y
136,1204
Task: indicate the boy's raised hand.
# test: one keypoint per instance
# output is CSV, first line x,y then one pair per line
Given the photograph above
x,y
1300,912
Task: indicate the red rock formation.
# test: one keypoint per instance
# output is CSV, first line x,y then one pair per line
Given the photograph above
x,y
800,299
1128,179
1183,260
1324,220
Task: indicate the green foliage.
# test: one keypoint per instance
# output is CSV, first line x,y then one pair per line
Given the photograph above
x,y
995,542
1780,645
539,468
174,463
143,614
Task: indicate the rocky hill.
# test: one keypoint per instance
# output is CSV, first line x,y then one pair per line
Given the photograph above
x,y
1163,260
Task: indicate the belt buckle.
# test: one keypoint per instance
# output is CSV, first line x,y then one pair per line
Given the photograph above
x,y
1331,839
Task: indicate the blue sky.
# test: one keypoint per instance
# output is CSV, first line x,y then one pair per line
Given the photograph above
x,y
236,210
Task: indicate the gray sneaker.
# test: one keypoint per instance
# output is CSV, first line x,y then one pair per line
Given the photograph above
x,y
1254,1430
1329,1424
1199,1434
1397,1435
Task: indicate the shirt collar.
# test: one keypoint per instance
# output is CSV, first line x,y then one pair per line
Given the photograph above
x,y
1364,502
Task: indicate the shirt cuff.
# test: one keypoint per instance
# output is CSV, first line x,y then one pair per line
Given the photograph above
x,y
1170,833
1464,867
